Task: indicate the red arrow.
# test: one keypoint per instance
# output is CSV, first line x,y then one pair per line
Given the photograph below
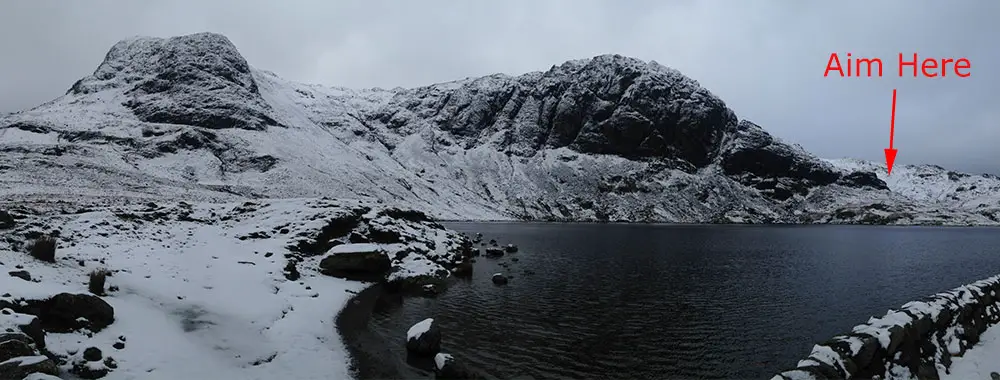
x,y
890,153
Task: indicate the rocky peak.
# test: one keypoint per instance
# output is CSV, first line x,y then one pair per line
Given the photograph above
x,y
198,79
607,104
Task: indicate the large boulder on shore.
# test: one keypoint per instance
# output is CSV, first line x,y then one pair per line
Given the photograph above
x,y
66,312
424,338
359,262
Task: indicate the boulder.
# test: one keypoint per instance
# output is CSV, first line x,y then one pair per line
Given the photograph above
x,y
447,368
424,338
22,274
494,252
14,348
6,220
510,248
463,270
20,367
66,312
500,279
360,262
30,326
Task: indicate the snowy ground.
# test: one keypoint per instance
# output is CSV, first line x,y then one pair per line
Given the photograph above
x,y
979,361
201,290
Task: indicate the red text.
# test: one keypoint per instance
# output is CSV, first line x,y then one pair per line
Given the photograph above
x,y
931,68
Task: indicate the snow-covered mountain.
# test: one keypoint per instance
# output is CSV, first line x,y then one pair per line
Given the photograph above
x,y
605,138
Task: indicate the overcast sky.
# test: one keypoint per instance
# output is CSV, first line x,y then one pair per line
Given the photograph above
x,y
764,58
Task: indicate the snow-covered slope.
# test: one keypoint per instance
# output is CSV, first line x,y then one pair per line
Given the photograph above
x,y
605,138
203,290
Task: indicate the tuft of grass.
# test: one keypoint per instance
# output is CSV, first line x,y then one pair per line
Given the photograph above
x,y
44,249
97,281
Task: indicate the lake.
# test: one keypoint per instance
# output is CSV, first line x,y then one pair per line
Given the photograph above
x,y
627,301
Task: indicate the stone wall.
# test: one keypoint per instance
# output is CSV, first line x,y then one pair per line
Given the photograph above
x,y
917,340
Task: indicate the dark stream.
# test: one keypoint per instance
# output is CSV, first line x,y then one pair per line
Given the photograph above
x,y
618,301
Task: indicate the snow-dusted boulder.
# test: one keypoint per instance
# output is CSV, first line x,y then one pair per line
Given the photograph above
x,y
30,327
66,312
363,262
21,367
424,338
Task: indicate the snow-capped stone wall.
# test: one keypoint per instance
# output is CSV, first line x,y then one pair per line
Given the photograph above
x,y
917,340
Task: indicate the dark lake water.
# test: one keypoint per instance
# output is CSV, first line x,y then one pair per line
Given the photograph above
x,y
616,301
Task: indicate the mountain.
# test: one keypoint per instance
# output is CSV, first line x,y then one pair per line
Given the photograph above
x,y
609,138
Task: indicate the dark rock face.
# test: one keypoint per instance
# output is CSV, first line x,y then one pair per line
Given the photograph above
x,y
863,179
199,79
6,220
605,105
360,266
755,158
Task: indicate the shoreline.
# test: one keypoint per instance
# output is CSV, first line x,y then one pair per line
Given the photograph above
x,y
370,357
352,323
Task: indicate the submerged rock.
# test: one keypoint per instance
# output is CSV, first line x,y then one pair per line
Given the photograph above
x,y
500,279
447,368
494,252
424,338
463,270
510,248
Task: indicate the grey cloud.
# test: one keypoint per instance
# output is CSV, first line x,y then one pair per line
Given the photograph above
x,y
765,57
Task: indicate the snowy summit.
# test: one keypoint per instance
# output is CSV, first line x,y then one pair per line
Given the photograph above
x,y
609,138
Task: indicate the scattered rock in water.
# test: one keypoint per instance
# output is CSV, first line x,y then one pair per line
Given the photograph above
x,y
510,248
359,262
22,274
424,338
494,252
478,238
514,259
463,270
430,290
500,279
447,368
493,242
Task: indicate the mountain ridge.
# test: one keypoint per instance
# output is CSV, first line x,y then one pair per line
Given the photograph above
x,y
609,138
